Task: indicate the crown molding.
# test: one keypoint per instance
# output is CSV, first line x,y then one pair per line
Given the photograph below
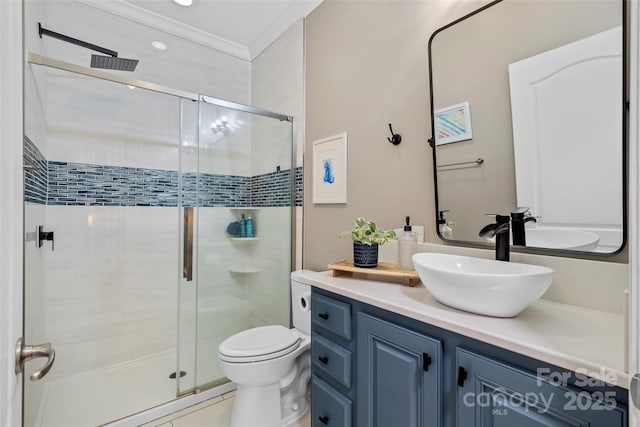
x,y
171,26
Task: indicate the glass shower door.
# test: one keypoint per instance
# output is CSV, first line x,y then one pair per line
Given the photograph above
x,y
101,285
244,172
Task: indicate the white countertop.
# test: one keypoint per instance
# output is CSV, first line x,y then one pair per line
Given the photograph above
x,y
584,340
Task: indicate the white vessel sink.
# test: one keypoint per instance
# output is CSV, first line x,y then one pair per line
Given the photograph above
x,y
482,286
576,240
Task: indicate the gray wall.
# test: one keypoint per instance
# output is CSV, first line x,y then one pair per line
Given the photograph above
x,y
366,66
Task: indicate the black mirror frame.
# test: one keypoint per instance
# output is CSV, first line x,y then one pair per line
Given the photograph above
x,y
625,144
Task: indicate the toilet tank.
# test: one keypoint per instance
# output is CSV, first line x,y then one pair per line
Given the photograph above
x,y
301,302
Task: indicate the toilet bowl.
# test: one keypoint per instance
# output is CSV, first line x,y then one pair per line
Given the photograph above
x,y
271,366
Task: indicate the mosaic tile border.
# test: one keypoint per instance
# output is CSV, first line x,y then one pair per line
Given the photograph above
x,y
81,184
96,185
35,181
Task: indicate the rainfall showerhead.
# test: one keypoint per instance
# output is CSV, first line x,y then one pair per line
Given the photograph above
x,y
110,62
113,63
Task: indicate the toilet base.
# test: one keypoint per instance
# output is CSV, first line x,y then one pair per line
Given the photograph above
x,y
256,406
295,412
261,407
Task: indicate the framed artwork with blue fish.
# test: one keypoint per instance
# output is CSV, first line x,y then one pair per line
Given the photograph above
x,y
452,124
330,169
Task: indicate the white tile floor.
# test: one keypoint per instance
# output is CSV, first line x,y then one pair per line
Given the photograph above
x,y
212,413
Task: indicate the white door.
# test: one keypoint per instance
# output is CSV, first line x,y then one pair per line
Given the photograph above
x,y
10,209
553,95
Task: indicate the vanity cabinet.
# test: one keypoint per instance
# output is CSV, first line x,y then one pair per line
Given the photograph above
x,y
399,375
492,393
371,367
332,350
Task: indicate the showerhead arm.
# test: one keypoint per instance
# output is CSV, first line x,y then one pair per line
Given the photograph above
x,y
110,62
43,31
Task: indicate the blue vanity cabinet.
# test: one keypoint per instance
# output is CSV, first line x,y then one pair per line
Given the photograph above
x,y
332,353
374,368
399,375
492,393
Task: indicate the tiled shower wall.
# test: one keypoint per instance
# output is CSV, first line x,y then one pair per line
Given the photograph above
x,y
112,276
79,184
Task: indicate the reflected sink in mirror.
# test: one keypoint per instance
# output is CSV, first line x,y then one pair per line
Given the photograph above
x,y
559,238
575,240
482,286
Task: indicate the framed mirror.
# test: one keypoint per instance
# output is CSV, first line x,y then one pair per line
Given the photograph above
x,y
529,102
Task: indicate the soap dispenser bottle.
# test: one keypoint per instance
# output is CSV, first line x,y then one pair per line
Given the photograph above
x,y
407,244
445,231
250,227
243,226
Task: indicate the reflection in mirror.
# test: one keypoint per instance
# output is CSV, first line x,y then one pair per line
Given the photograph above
x,y
528,122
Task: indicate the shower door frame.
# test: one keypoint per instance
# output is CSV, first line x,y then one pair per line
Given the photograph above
x,y
65,66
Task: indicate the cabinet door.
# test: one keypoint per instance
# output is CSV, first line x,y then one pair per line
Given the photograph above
x,y
494,394
399,376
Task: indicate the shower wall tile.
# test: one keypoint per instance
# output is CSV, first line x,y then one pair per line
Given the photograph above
x,y
271,189
299,186
223,190
80,184
269,291
35,181
89,185
110,285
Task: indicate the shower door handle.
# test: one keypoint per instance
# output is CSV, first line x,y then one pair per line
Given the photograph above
x,y
187,246
25,353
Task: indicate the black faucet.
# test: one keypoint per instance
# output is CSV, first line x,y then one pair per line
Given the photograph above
x,y
518,219
500,229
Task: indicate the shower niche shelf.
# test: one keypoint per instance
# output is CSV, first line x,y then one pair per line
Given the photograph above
x,y
245,239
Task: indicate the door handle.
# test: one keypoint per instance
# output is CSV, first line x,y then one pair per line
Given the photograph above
x,y
25,353
187,244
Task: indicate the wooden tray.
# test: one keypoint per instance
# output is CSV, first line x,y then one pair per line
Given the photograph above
x,y
387,269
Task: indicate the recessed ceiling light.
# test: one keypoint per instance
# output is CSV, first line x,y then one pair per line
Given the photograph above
x,y
159,45
184,2
131,87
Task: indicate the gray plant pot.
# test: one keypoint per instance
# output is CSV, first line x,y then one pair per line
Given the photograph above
x,y
365,255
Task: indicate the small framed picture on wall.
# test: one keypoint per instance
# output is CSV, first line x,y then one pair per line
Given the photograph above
x,y
330,170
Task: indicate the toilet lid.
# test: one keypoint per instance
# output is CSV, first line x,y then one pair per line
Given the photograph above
x,y
260,343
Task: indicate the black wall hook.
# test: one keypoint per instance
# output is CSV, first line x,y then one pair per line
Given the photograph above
x,y
395,137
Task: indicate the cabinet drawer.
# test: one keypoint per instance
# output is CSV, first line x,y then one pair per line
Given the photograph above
x,y
492,393
331,359
331,315
329,408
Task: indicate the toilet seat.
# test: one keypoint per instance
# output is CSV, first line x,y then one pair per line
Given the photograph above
x,y
258,344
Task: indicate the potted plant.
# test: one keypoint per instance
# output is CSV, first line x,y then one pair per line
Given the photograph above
x,y
366,237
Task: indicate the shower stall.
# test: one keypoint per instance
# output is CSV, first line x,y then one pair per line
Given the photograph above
x,y
135,267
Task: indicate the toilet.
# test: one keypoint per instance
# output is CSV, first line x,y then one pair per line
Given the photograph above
x,y
271,366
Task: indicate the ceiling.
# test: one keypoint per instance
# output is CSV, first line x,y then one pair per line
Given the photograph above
x,y
242,28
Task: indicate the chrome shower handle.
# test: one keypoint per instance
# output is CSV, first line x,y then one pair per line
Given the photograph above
x,y
25,353
187,244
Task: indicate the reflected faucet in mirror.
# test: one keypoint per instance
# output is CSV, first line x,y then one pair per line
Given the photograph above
x,y
518,220
545,109
499,230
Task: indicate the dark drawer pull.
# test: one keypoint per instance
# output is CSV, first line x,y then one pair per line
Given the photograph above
x,y
324,420
462,376
324,316
323,359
